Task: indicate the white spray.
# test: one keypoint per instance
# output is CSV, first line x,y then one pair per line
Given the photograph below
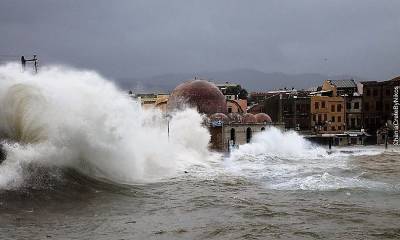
x,y
286,161
68,118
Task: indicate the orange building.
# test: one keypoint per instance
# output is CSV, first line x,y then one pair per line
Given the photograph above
x,y
327,114
236,97
236,106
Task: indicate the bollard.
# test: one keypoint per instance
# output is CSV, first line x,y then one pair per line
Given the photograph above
x,y
330,143
3,154
386,141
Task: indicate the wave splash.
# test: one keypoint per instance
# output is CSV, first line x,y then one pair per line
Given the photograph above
x,y
287,161
76,119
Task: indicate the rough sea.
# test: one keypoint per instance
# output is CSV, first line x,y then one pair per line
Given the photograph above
x,y
84,161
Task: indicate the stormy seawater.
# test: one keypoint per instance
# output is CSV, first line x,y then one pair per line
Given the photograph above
x,y
86,162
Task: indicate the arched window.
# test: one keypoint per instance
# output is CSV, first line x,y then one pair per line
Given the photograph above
x,y
262,129
248,135
233,135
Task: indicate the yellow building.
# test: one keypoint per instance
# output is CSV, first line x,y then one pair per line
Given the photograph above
x,y
152,100
161,102
327,114
328,86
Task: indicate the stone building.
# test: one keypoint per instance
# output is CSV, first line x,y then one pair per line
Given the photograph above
x,y
226,129
296,111
233,130
378,104
256,108
290,107
258,97
256,101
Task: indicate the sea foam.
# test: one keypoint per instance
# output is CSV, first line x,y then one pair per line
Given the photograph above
x,y
71,118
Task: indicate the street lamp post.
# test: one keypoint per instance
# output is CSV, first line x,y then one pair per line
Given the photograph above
x,y
295,113
168,117
386,135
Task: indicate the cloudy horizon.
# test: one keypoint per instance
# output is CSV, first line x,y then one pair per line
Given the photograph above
x,y
146,38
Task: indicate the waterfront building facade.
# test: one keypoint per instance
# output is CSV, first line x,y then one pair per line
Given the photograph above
x,y
349,90
378,104
290,107
328,114
354,112
340,110
258,97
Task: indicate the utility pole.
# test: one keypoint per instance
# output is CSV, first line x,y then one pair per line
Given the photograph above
x,y
295,113
23,63
280,108
168,117
34,60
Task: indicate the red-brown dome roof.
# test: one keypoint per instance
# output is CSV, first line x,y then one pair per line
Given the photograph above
x,y
219,116
263,118
249,118
203,95
235,117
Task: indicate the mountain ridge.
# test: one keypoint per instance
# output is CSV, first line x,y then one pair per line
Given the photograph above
x,y
250,79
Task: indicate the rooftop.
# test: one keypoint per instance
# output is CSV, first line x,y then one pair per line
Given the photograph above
x,y
391,81
345,83
226,84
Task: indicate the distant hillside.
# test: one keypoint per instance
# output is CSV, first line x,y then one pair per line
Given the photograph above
x,y
252,80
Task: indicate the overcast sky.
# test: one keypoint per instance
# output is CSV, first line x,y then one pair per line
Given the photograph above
x,y
144,38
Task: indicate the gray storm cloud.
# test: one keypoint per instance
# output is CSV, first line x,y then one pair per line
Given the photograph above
x,y
145,38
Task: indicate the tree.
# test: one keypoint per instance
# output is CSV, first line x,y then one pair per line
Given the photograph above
x,y
243,94
237,91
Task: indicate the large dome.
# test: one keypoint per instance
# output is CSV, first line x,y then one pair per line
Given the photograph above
x,y
203,95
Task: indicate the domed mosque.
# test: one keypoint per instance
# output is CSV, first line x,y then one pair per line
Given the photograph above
x,y
201,94
227,130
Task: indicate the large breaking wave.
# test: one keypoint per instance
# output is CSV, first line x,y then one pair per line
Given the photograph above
x,y
66,118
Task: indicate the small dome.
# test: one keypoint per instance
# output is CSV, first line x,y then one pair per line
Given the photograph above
x,y
219,117
235,117
263,118
203,95
249,118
